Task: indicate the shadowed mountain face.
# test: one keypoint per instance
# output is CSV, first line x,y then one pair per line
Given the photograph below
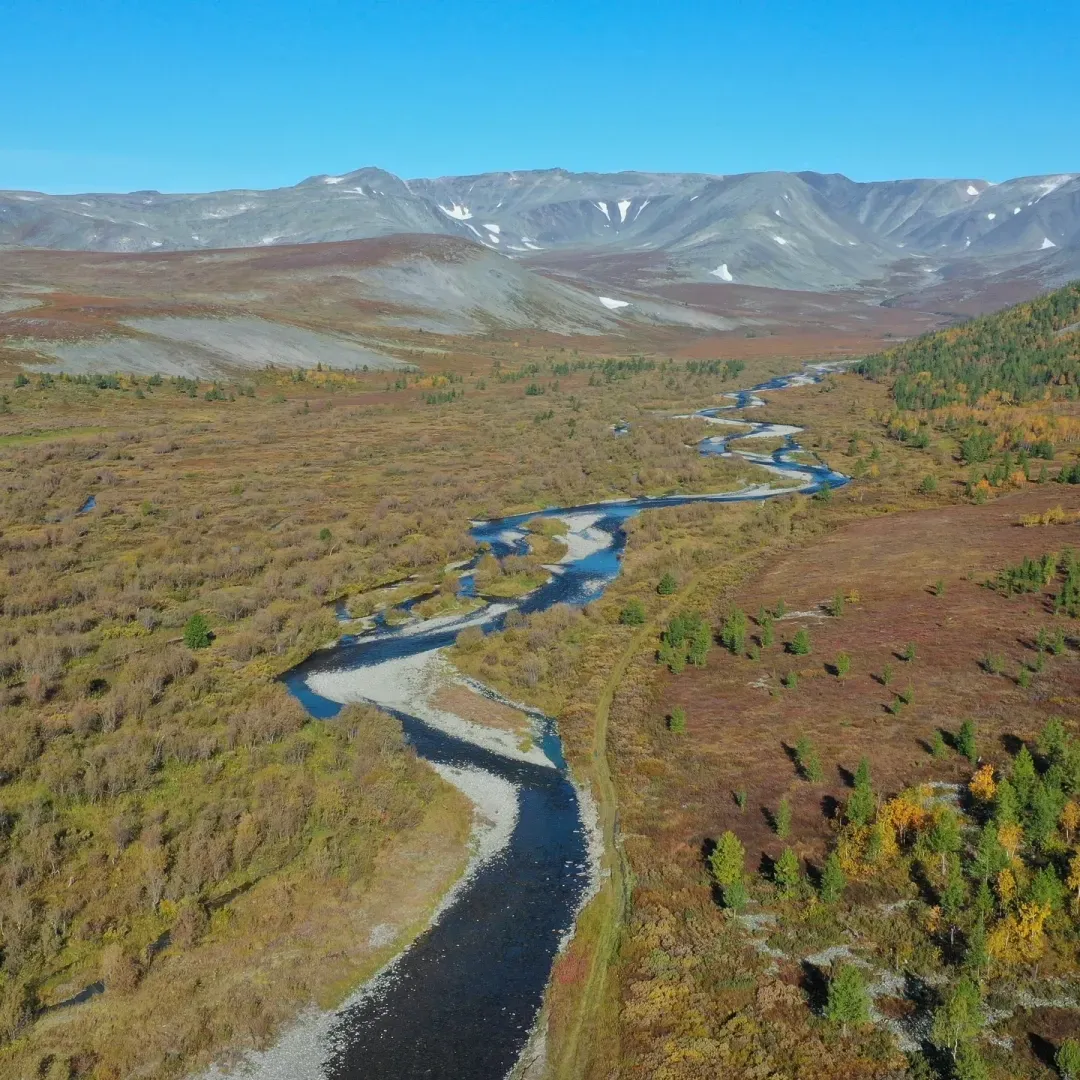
x,y
780,230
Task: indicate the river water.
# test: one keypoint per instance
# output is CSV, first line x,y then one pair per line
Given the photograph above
x,y
459,1004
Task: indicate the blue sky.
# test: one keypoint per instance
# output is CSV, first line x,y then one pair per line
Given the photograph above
x,y
200,94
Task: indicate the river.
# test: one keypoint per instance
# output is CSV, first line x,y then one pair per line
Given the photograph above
x,y
460,1003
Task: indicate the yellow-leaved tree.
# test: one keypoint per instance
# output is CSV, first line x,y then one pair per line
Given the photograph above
x,y
982,785
1069,820
1020,937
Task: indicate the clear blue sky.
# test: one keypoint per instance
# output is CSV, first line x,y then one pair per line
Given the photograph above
x,y
199,94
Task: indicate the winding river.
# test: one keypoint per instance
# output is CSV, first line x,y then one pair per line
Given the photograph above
x,y
460,1003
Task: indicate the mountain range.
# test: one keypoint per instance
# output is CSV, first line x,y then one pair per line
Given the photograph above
x,y
809,231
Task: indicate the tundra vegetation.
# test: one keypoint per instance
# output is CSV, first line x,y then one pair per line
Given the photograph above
x,y
172,824
134,732
832,875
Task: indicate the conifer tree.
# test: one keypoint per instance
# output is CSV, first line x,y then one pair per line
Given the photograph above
x,y
733,634
782,819
860,805
727,863
966,741
197,632
953,895
1006,804
1024,775
833,880
848,1001
786,873
944,837
969,1064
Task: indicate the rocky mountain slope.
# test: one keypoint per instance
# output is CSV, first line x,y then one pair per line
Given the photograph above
x,y
782,230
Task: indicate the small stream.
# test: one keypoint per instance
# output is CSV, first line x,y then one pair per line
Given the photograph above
x,y
460,1003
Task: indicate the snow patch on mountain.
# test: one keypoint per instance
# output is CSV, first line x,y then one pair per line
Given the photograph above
x,y
722,272
624,205
459,213
972,189
602,207
1046,244
613,305
780,240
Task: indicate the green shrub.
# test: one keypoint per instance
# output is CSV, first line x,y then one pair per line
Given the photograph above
x,y
633,614
677,721
800,643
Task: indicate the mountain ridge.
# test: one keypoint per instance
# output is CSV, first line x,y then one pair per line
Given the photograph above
x,y
789,230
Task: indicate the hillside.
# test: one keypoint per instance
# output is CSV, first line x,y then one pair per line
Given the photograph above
x,y
379,303
1021,352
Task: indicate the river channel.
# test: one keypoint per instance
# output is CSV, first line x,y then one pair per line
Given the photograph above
x,y
460,1002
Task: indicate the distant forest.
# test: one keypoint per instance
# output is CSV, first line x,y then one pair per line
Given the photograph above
x,y
1021,352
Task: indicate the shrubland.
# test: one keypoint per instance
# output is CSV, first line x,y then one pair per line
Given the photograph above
x,y
173,824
